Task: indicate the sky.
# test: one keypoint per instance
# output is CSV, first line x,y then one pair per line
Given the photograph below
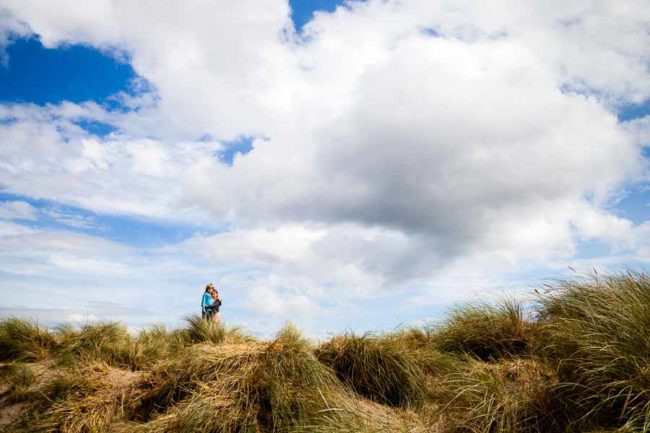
x,y
344,165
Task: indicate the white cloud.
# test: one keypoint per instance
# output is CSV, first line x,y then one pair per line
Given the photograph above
x,y
82,318
52,274
10,29
217,47
71,219
46,155
16,209
420,146
357,259
11,229
292,306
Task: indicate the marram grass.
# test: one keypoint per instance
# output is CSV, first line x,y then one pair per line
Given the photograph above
x,y
233,387
510,396
488,332
380,369
106,342
24,340
579,362
599,342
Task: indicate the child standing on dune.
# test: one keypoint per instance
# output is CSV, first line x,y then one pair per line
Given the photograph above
x,y
206,302
216,304
210,303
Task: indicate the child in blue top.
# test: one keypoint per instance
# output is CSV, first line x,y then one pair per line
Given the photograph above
x,y
207,302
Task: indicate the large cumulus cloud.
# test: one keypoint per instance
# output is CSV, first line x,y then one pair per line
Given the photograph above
x,y
395,142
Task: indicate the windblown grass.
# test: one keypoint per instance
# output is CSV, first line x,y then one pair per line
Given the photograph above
x,y
488,332
292,385
155,344
421,346
17,377
23,340
581,364
78,399
107,342
199,330
377,368
112,343
512,396
600,345
272,386
174,380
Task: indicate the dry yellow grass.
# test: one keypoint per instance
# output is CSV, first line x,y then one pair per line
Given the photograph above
x,y
580,365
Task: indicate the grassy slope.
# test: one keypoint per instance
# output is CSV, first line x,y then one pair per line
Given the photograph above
x,y
580,363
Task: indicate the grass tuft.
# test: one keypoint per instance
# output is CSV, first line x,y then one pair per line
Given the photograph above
x,y
106,342
600,345
23,340
17,377
240,387
511,396
488,332
199,330
580,364
380,369
78,399
155,344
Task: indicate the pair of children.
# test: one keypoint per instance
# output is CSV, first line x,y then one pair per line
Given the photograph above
x,y
210,304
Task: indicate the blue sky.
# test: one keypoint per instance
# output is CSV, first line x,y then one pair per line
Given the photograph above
x,y
302,11
81,73
40,76
362,178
